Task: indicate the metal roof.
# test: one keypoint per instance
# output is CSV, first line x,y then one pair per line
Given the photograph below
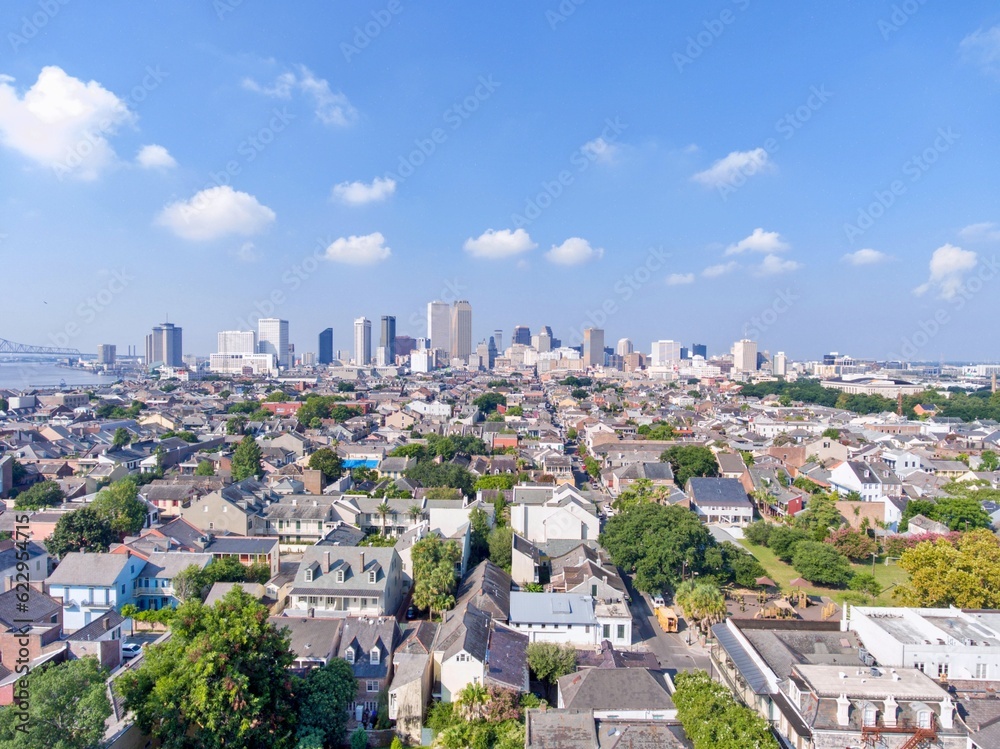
x,y
744,663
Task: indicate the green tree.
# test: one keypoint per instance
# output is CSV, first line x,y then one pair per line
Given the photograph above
x,y
39,496
189,583
488,402
820,517
865,582
120,505
359,739
832,433
236,425
989,461
323,700
383,510
479,531
121,438
783,539
549,661
689,461
4,405
247,460
327,462
434,578
221,680
81,530
821,563
501,545
964,573
205,468
500,481
713,719
67,708
571,434
856,545
702,602
430,474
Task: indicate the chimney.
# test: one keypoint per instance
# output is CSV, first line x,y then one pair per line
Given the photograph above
x,y
947,713
843,710
362,561
107,623
889,714
326,561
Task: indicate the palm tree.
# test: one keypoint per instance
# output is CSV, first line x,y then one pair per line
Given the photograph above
x,y
472,700
383,511
415,512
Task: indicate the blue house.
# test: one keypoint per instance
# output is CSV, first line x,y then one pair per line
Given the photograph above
x,y
90,585
155,584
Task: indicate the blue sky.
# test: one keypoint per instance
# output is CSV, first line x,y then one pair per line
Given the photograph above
x,y
819,178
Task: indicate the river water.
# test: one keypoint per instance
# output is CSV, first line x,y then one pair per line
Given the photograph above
x,y
22,375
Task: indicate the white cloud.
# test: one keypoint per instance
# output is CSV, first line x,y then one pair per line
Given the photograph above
x,y
574,251
359,250
759,241
62,122
216,212
155,157
679,279
948,265
714,271
331,107
601,150
865,257
986,231
736,164
772,265
982,48
358,193
248,252
494,245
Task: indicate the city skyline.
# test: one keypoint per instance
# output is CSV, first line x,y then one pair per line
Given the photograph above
x,y
856,184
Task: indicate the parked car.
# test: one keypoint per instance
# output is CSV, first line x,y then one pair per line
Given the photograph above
x,y
411,613
658,600
131,649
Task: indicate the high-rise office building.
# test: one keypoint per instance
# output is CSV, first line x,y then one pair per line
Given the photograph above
x,y
165,345
593,347
439,326
237,342
541,342
272,338
461,330
522,335
362,342
498,339
699,349
388,338
745,355
106,353
405,345
326,346
665,354
780,366
624,347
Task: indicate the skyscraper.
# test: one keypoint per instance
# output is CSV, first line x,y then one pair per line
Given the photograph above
x,y
106,353
326,346
272,338
745,355
541,342
522,335
699,349
362,342
439,326
461,330
624,347
593,347
164,345
237,342
388,339
665,354
498,339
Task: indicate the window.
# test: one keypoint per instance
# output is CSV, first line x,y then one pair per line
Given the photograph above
x,y
340,576
606,631
375,656
372,686
920,667
371,577
924,719
621,631
942,670
869,715
349,655
593,590
981,671
309,575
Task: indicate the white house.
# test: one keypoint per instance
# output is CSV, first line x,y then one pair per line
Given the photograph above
x,y
553,514
873,481
571,618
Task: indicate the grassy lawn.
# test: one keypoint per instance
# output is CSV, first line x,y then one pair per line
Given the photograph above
x,y
783,574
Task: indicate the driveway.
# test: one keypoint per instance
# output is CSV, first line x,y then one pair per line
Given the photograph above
x,y
670,648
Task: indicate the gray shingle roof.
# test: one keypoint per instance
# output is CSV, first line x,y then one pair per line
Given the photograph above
x,y
81,568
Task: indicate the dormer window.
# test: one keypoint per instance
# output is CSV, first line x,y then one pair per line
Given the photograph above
x,y
349,655
371,577
309,575
375,655
869,715
340,576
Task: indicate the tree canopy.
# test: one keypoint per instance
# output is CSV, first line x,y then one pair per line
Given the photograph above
x,y
120,505
488,402
963,573
327,462
323,698
434,578
81,530
246,461
713,719
689,461
549,661
39,496
821,563
221,680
